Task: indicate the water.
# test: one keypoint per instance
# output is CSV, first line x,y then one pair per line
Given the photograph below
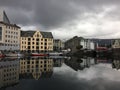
x,y
57,73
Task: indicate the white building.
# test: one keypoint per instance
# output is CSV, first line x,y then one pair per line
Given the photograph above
x,y
9,34
87,44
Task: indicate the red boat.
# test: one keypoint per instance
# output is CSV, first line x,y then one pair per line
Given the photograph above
x,y
39,54
2,55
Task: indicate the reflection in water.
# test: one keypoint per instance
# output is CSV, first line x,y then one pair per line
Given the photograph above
x,y
80,63
70,71
116,64
9,72
36,67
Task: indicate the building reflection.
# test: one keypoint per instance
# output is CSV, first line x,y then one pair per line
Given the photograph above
x,y
116,63
58,62
12,70
9,72
36,67
80,63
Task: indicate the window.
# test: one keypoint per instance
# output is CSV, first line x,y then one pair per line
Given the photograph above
x,y
37,39
28,47
28,43
0,33
45,43
37,47
45,47
29,39
37,34
45,39
37,43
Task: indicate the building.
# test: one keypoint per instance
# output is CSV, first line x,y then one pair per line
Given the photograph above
x,y
36,41
87,44
116,43
9,33
74,42
35,67
103,43
58,45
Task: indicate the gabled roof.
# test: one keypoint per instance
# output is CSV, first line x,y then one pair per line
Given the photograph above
x,y
31,33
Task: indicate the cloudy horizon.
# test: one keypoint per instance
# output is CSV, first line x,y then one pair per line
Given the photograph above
x,y
66,18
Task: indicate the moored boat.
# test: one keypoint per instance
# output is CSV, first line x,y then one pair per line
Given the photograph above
x,y
56,54
16,54
39,54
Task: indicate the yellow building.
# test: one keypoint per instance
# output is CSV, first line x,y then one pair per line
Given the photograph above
x,y
36,41
35,67
9,34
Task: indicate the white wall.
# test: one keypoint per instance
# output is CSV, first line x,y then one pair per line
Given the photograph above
x,y
87,44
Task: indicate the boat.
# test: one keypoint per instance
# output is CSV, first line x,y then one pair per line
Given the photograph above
x,y
39,54
56,54
14,54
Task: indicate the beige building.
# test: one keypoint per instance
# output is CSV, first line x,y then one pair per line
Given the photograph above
x,y
35,67
9,34
36,41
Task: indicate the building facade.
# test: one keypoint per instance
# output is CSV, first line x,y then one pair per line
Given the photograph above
x,y
9,34
36,41
58,45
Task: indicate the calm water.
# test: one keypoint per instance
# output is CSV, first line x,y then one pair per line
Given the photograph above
x,y
59,73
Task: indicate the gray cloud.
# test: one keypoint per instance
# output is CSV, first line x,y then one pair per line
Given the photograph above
x,y
61,15
51,13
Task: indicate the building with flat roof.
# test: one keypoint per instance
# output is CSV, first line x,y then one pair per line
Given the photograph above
x,y
9,33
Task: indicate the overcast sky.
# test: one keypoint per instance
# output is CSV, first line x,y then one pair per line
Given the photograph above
x,y
66,18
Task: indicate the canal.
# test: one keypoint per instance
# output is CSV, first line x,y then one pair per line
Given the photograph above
x,y
59,73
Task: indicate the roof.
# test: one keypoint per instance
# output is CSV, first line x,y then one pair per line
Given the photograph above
x,y
47,34
31,33
27,33
13,25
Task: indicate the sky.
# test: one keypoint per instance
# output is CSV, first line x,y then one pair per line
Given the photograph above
x,y
66,18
